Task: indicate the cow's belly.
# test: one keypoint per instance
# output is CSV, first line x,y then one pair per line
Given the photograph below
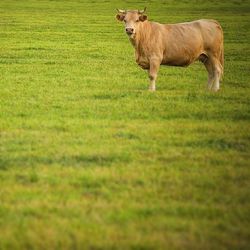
x,y
180,60
180,63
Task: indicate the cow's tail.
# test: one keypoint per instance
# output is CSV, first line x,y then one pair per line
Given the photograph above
x,y
222,58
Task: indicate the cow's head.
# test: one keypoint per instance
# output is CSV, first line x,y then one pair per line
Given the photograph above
x,y
132,19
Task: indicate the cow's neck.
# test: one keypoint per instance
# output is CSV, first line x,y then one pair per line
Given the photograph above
x,y
141,34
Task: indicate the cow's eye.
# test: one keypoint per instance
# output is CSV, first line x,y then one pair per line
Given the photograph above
x,y
137,20
125,20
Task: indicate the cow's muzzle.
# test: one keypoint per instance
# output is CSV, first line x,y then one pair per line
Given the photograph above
x,y
129,31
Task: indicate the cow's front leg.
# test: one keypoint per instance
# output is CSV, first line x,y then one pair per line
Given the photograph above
x,y
152,73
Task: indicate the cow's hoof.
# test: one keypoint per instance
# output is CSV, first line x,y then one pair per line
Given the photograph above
x,y
215,90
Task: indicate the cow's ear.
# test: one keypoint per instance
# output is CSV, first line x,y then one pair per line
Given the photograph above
x,y
143,18
120,17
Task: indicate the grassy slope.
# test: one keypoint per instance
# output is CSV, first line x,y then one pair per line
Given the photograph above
x,y
90,158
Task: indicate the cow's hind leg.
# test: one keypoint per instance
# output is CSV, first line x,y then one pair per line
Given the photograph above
x,y
152,73
213,67
217,75
209,66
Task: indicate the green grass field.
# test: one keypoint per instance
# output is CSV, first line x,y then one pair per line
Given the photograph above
x,y
90,159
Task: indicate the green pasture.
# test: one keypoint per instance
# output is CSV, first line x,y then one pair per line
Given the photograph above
x,y
90,159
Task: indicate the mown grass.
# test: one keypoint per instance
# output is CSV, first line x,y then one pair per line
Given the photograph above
x,y
91,160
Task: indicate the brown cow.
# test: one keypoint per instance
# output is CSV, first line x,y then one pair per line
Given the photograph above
x,y
175,44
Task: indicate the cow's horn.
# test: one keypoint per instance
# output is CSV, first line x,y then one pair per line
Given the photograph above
x,y
142,11
121,11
